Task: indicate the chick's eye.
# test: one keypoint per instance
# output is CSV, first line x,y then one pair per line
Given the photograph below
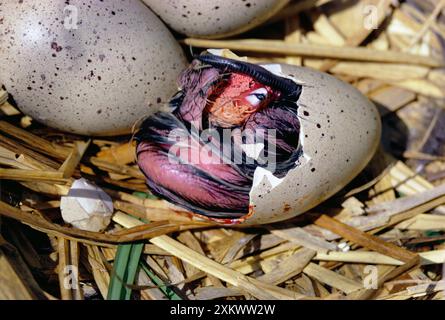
x,y
260,96
257,96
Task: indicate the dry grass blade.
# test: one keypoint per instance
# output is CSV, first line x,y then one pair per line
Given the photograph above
x,y
388,274
121,154
409,202
99,270
15,277
35,142
390,223
304,238
289,267
139,233
3,96
150,213
190,241
19,239
64,262
383,9
332,278
419,290
70,164
430,21
121,169
370,257
153,229
365,240
314,50
74,264
68,270
32,158
28,175
211,293
295,8
257,288
424,222
367,257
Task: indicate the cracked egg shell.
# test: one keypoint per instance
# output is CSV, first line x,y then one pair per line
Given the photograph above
x,y
87,67
215,19
340,132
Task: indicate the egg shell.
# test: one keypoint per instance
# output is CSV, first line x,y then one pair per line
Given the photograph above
x,y
340,132
86,206
87,67
217,18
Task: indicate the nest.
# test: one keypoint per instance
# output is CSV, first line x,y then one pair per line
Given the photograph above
x,y
381,237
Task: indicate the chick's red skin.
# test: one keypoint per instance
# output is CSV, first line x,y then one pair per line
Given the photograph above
x,y
228,104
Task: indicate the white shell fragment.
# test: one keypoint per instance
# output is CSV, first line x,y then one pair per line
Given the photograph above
x,y
87,67
87,207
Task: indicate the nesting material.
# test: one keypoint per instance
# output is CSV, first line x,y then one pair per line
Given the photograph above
x,y
86,207
381,237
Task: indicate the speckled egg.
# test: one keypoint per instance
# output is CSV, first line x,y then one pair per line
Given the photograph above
x,y
316,133
87,67
217,18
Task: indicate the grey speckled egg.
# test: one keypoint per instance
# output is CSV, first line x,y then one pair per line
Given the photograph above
x,y
88,67
340,131
216,18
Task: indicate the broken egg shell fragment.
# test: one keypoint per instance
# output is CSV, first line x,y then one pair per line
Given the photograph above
x,y
340,132
86,207
217,18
